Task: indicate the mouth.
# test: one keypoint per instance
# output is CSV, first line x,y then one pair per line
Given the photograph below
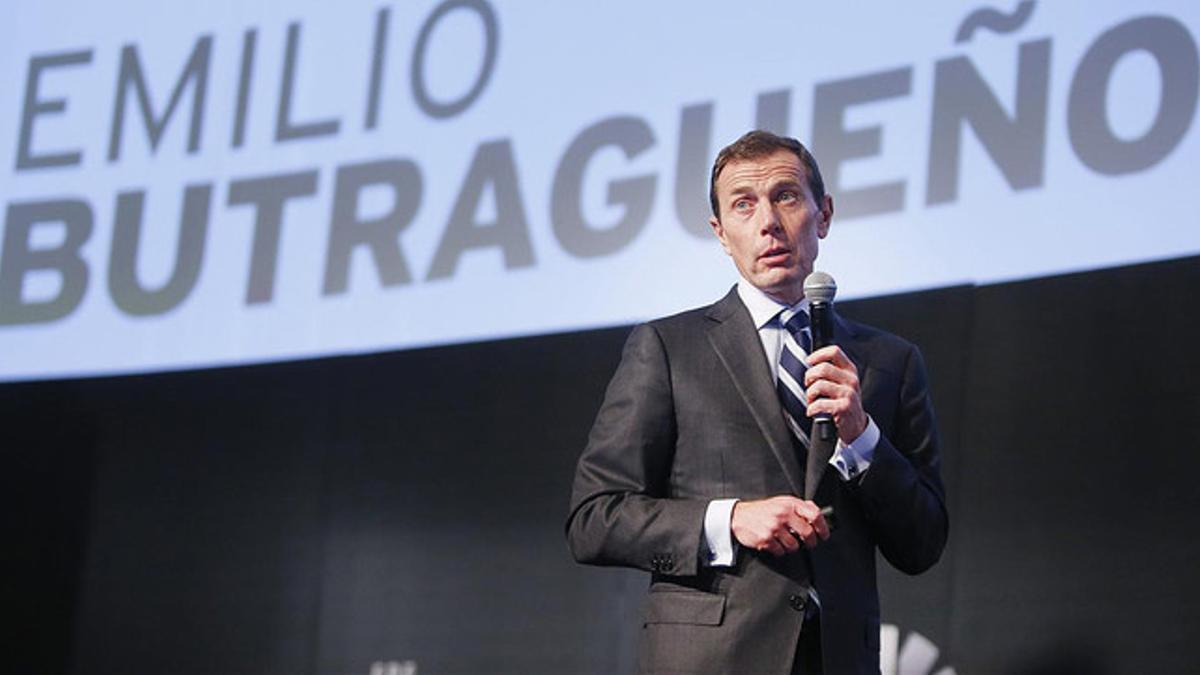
x,y
776,255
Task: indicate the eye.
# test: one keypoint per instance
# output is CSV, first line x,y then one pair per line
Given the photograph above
x,y
742,205
787,196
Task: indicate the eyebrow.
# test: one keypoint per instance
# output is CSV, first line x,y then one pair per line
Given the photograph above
x,y
747,188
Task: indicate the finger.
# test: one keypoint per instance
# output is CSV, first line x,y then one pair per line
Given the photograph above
x,y
800,528
831,354
829,406
821,526
808,514
807,510
793,531
847,407
805,533
828,372
800,541
812,539
811,513
775,548
789,539
826,389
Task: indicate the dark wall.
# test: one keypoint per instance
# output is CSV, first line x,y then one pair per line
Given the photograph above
x,y
323,516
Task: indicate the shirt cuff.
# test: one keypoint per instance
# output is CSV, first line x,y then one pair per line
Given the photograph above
x,y
718,534
854,458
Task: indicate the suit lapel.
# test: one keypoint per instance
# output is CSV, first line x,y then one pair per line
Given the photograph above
x,y
735,339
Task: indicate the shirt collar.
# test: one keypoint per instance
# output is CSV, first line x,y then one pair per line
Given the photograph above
x,y
763,308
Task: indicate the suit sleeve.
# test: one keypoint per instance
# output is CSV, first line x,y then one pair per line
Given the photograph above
x,y
902,493
621,512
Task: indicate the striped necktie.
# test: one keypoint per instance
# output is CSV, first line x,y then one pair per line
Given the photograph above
x,y
797,343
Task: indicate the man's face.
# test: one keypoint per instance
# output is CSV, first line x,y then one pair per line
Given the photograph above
x,y
770,223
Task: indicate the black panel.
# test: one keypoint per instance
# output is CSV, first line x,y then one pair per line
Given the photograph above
x,y
449,486
47,440
321,516
207,528
1078,498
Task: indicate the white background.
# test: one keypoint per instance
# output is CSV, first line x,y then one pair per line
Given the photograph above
x,y
560,68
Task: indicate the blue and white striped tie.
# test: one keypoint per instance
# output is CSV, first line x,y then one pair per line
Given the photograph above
x,y
797,343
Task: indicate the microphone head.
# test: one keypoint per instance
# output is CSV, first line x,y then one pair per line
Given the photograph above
x,y
820,287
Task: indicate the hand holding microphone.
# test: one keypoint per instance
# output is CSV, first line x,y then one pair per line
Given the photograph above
x,y
831,381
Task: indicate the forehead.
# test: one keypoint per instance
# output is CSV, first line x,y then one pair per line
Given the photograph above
x,y
779,166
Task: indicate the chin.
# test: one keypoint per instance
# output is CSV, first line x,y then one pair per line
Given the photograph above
x,y
789,292
783,281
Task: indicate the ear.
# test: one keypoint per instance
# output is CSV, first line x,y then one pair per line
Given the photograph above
x,y
719,230
826,217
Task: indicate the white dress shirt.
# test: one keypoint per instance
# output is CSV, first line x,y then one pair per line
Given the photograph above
x,y
850,460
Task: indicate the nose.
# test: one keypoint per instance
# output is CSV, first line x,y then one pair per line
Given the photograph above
x,y
769,219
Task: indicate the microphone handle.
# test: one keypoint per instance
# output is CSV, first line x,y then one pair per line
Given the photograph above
x,y
821,322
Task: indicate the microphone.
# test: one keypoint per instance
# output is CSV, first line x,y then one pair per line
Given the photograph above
x,y
820,288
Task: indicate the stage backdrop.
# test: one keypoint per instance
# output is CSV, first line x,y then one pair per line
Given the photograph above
x,y
229,182
437,219
403,512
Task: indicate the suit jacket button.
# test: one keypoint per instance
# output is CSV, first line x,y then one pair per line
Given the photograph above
x,y
797,602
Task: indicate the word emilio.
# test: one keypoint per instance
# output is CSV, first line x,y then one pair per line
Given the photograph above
x,y
131,82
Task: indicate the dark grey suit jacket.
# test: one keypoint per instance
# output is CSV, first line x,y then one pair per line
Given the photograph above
x,y
691,415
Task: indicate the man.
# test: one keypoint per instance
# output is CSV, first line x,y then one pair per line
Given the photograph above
x,y
700,467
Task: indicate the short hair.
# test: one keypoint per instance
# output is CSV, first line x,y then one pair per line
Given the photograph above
x,y
756,145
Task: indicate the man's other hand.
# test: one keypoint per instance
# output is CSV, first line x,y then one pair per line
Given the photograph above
x,y
780,525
